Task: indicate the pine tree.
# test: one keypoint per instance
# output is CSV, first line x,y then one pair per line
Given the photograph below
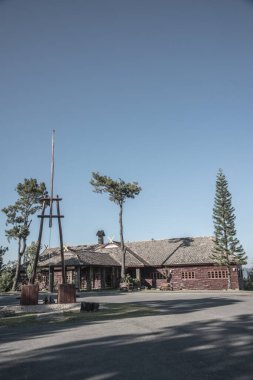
x,y
2,252
19,216
227,249
119,191
29,258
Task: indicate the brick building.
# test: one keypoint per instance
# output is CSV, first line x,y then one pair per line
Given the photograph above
x,y
185,263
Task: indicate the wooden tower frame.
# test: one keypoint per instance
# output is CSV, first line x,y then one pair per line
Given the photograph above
x,y
49,201
45,202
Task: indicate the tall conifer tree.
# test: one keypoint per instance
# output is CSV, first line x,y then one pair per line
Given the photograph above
x,y
227,249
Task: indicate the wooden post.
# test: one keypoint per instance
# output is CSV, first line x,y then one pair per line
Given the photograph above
x,y
39,244
90,279
113,274
103,274
51,279
61,240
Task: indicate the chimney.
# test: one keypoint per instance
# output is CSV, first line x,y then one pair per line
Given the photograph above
x,y
100,234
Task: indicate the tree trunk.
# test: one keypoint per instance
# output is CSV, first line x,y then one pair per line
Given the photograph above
x,y
16,277
122,241
22,251
229,277
228,265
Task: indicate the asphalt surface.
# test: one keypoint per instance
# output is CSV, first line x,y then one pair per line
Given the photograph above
x,y
193,336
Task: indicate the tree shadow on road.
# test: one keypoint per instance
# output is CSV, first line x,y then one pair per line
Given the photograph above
x,y
213,349
147,308
179,306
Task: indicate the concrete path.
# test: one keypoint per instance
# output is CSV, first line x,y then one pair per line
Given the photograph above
x,y
194,336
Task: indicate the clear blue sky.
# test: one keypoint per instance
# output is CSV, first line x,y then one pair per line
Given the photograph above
x,y
158,92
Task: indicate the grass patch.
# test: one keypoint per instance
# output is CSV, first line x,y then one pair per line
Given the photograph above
x,y
109,311
18,319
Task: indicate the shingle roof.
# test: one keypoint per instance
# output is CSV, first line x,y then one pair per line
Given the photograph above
x,y
169,252
193,251
178,251
155,252
53,257
116,254
79,255
97,258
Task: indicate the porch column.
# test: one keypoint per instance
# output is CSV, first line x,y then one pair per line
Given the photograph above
x,y
103,270
51,280
78,278
113,277
91,278
88,279
138,274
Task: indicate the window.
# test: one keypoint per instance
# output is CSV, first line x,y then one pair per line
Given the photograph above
x,y
188,275
69,277
218,274
157,276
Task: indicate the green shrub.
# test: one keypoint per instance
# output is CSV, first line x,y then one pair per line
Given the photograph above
x,y
6,279
248,285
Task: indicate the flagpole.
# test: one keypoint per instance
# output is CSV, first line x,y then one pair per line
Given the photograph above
x,y
52,181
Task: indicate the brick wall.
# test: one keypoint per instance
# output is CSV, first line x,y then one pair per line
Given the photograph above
x,y
201,280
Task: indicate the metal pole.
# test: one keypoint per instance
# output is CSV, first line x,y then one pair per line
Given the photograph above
x,y
52,181
51,209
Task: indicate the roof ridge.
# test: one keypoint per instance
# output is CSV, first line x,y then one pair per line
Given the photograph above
x,y
134,254
170,238
137,256
172,253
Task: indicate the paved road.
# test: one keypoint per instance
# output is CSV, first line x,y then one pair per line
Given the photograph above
x,y
197,336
